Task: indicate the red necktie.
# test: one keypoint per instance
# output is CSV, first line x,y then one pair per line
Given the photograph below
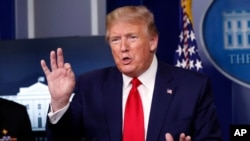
x,y
134,119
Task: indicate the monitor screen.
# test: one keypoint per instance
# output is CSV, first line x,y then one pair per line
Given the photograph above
x,y
22,79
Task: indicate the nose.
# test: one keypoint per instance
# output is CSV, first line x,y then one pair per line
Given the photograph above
x,y
124,46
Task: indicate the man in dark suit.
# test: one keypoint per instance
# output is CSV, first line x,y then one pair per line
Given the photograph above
x,y
173,103
14,122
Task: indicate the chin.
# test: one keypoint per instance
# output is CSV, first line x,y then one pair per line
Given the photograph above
x,y
127,70
130,73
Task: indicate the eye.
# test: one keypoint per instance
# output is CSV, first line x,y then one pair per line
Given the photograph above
x,y
133,38
114,40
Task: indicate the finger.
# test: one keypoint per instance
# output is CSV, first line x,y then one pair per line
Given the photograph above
x,y
60,58
68,68
53,63
168,137
183,137
188,138
45,68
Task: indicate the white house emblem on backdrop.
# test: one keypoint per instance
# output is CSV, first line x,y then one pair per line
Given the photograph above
x,y
226,36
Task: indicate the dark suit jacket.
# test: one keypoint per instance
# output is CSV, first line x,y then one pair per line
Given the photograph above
x,y
96,109
14,118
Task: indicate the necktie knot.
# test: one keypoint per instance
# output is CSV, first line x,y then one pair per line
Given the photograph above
x,y
135,82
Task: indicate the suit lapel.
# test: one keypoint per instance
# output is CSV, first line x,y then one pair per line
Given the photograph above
x,y
162,96
112,92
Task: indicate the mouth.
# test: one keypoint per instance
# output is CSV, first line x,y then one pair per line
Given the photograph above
x,y
126,60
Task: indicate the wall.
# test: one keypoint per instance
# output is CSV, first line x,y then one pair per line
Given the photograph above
x,y
59,18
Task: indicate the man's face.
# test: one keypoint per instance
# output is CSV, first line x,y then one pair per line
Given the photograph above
x,y
132,47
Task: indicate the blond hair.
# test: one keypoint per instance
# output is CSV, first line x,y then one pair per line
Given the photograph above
x,y
134,15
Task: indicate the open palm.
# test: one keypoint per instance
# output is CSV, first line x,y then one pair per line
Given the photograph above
x,y
61,79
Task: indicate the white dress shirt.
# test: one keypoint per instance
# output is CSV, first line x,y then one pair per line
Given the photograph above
x,y
145,89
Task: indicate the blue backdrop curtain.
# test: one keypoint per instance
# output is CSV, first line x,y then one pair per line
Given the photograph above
x,y
7,19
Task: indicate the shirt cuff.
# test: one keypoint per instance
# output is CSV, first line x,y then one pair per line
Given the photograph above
x,y
54,117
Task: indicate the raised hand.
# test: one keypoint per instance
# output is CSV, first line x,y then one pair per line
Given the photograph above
x,y
61,79
183,137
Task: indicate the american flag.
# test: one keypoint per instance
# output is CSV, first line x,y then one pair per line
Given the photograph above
x,y
186,55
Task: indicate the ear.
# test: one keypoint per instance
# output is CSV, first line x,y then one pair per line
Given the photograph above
x,y
153,43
